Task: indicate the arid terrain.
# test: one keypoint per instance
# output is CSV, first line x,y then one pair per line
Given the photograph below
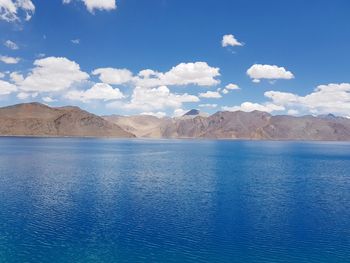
x,y
237,125
35,119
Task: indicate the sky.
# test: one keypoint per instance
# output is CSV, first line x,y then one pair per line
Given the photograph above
x,y
165,57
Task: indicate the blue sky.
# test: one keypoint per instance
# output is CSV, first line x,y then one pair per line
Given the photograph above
x,y
90,53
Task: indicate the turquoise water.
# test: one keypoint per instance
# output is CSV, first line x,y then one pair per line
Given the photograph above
x,y
91,200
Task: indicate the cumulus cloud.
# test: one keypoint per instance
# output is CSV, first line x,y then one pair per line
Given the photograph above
x,y
331,98
93,5
282,98
51,74
113,75
154,99
2,75
225,91
48,99
198,73
230,40
179,112
16,77
271,72
7,88
210,95
325,99
228,88
24,95
9,60
249,106
10,44
100,91
232,86
12,10
58,76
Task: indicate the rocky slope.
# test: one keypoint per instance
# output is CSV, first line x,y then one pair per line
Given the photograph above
x,y
35,119
141,125
238,125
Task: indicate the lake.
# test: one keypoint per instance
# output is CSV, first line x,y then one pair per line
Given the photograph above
x,y
105,200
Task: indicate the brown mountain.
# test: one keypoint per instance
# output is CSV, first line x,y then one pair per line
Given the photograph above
x,y
141,125
35,119
254,125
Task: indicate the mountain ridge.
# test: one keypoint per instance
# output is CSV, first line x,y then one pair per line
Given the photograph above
x,y
255,125
36,119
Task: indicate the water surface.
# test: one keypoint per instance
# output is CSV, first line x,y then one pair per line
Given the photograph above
x,y
95,200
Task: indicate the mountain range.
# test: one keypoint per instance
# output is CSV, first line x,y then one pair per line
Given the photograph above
x,y
35,119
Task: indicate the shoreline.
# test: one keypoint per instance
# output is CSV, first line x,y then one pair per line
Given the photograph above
x,y
169,139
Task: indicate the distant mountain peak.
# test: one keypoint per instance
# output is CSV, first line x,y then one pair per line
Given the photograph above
x,y
192,112
328,116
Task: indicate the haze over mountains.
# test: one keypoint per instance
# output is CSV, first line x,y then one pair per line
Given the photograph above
x,y
34,119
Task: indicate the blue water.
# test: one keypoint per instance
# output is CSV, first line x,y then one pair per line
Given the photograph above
x,y
91,200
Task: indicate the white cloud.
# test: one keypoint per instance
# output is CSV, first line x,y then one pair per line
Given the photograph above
x,y
282,98
23,95
75,41
325,99
230,40
100,91
292,112
154,99
16,77
26,95
148,73
11,9
52,74
7,88
225,91
149,78
113,75
249,106
179,112
10,44
198,73
271,72
331,98
9,60
228,88
91,5
2,75
158,114
232,86
210,95
207,105
48,99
